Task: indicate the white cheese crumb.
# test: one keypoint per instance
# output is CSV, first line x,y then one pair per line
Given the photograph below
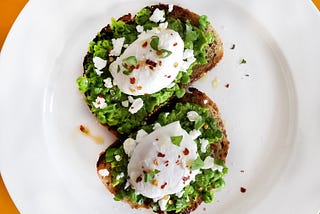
x,y
99,72
129,145
157,16
121,175
180,194
156,126
163,203
103,172
163,25
205,101
208,163
188,59
130,99
139,28
194,134
100,103
136,106
166,114
117,157
125,103
108,82
99,63
140,134
204,143
127,185
215,83
117,46
126,45
170,8
171,85
193,116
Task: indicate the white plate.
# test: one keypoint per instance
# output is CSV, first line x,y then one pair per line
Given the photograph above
x,y
272,115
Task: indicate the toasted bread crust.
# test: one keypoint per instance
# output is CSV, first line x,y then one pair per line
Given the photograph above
x,y
219,149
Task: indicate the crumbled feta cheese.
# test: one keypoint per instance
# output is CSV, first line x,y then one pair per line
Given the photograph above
x,y
204,143
139,28
188,59
130,98
126,45
99,72
208,163
205,102
108,83
170,8
171,85
99,63
121,175
125,103
157,16
193,116
127,185
117,46
163,203
217,167
166,114
129,145
141,133
103,172
117,157
100,103
180,194
156,126
194,134
163,25
136,106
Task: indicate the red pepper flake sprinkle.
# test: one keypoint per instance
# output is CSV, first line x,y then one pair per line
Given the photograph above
x,y
175,44
132,80
84,129
227,85
151,63
139,179
179,156
166,163
185,178
164,185
243,190
155,162
186,151
145,44
160,63
137,66
161,155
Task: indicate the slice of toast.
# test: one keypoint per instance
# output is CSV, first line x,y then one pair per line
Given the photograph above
x,y
214,53
219,149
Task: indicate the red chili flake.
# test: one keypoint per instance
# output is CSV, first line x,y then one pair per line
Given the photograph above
x,y
151,63
186,151
160,63
175,44
157,139
159,53
161,155
137,66
132,80
185,178
145,44
166,163
164,185
139,179
179,156
151,68
101,96
84,129
227,85
243,190
178,162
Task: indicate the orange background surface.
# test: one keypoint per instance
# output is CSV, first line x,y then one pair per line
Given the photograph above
x,y
9,10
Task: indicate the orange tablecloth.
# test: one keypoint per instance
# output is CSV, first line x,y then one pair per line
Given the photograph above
x,y
9,9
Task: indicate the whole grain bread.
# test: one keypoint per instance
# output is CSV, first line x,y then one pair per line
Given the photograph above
x,y
214,51
219,149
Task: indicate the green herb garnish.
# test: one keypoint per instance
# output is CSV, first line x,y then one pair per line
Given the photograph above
x,y
176,140
165,53
243,61
197,164
131,60
154,42
150,175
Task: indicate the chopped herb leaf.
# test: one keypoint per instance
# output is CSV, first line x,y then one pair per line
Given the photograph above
x,y
127,72
233,47
165,53
176,140
131,60
154,42
150,175
243,61
197,164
